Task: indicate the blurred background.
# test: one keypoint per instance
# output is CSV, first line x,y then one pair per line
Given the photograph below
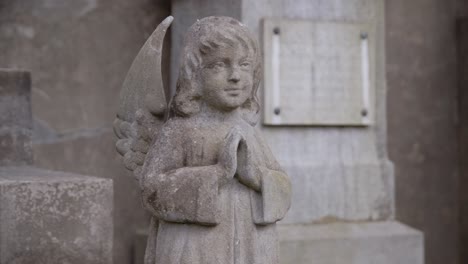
x,y
79,52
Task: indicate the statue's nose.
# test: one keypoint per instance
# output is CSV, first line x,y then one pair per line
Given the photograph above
x,y
234,76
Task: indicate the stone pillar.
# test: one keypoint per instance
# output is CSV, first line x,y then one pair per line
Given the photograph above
x,y
45,216
16,125
463,100
343,183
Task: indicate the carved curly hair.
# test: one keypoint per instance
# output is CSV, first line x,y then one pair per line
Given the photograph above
x,y
202,37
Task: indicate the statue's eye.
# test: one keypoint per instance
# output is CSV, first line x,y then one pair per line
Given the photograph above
x,y
217,65
246,64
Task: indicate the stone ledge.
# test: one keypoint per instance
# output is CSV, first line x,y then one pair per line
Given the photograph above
x,y
351,243
54,217
27,174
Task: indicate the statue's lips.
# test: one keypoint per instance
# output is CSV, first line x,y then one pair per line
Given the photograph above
x,y
233,89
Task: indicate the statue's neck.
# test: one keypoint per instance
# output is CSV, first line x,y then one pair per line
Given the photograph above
x,y
219,115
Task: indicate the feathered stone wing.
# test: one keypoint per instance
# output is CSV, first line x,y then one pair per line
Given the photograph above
x,y
142,104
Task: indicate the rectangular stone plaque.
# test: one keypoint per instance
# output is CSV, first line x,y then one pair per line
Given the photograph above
x,y
318,73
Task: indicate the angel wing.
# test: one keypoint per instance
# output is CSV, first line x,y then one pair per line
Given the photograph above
x,y
142,103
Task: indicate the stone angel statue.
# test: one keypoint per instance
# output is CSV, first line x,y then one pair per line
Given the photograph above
x,y
209,180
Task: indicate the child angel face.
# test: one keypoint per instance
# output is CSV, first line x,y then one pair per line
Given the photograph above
x,y
220,68
227,77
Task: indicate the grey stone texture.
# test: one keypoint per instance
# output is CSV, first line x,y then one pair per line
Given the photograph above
x,y
45,216
95,155
79,53
54,217
462,8
212,185
185,14
339,174
463,132
142,103
307,64
351,243
386,242
420,73
15,118
422,121
344,170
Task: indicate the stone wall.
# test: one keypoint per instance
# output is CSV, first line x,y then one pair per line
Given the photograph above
x,y
15,118
462,8
78,53
462,30
422,121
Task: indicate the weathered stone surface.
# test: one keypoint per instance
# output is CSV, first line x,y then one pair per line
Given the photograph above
x,y
462,8
15,96
185,14
363,193
353,158
78,53
463,145
351,243
336,150
339,243
141,238
422,121
213,187
337,173
15,118
318,72
94,154
54,217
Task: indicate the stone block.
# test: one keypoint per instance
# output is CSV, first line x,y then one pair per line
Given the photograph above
x,y
15,147
94,154
15,118
348,192
351,243
340,243
54,217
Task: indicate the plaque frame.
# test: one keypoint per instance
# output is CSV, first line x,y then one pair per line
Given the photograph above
x,y
328,96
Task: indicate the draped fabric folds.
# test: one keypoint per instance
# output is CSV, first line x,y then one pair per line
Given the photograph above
x,y
197,220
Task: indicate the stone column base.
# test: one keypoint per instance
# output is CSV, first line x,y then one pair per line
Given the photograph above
x,y
339,243
54,217
386,242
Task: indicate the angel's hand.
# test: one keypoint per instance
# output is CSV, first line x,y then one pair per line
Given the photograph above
x,y
248,170
227,156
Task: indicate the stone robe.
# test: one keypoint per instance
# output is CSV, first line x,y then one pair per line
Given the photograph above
x,y
197,219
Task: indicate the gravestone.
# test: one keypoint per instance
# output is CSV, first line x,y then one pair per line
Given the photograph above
x,y
45,216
